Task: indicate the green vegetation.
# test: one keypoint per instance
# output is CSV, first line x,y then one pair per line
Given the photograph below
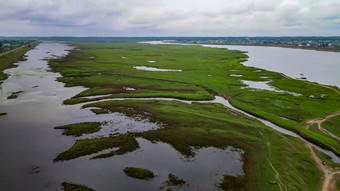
x,y
197,125
83,147
139,173
7,60
99,111
337,184
233,183
79,129
67,186
107,70
14,95
173,180
333,125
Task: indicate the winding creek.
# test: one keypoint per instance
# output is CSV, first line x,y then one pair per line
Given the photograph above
x,y
29,144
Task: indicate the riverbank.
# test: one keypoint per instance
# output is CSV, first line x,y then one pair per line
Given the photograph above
x,y
262,45
8,59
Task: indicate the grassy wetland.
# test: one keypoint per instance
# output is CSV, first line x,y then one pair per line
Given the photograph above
x,y
272,161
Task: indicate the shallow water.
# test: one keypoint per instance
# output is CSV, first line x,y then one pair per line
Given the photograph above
x,y
29,143
155,69
316,66
235,75
264,85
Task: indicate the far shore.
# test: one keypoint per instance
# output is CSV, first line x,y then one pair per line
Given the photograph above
x,y
294,47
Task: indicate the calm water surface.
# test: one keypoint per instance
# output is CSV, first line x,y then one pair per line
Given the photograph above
x,y
29,144
316,66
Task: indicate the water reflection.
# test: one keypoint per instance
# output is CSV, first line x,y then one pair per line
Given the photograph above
x,y
155,69
264,85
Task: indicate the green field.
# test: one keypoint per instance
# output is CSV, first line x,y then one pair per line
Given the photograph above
x,y
107,69
333,125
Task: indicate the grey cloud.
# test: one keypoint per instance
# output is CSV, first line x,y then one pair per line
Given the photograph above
x,y
169,17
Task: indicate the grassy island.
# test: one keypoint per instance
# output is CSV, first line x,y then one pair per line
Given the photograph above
x,y
67,186
139,173
78,129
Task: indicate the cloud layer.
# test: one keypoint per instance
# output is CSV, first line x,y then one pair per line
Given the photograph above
x,y
169,17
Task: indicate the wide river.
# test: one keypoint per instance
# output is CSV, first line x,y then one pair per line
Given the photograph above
x,y
316,66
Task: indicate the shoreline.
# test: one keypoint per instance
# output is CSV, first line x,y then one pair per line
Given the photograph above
x,y
302,48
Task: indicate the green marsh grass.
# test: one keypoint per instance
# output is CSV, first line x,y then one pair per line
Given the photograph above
x,y
69,186
107,69
139,173
333,125
78,129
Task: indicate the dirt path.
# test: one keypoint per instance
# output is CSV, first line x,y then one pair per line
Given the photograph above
x,y
320,121
328,181
277,174
11,50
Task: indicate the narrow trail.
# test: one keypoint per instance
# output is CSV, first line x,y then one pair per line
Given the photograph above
x,y
11,50
277,174
320,121
328,181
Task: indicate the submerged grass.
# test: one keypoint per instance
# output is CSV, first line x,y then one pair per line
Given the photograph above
x,y
78,129
14,95
173,180
233,183
125,143
139,173
69,186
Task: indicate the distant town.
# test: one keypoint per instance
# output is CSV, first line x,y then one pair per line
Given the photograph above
x,y
7,44
305,42
319,43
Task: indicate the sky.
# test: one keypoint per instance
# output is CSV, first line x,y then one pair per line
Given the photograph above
x,y
169,18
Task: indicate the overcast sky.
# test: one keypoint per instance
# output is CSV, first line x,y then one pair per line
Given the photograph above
x,y
169,17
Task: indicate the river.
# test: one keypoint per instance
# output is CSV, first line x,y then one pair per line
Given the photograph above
x,y
316,66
